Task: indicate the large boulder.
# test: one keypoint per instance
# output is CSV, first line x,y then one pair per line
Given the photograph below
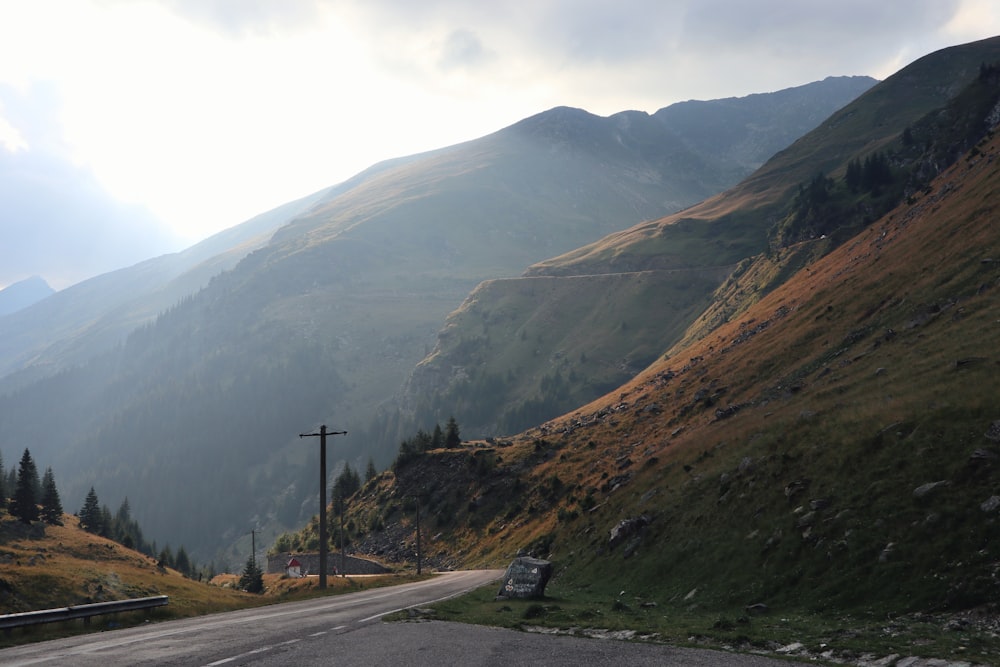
x,y
525,578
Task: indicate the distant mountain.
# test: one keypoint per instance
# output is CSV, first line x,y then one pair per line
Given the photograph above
x,y
91,317
323,320
23,294
526,349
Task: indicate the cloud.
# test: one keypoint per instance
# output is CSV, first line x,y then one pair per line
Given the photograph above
x,y
463,49
57,220
248,17
211,111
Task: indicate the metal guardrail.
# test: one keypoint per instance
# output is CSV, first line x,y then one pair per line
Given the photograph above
x,y
84,611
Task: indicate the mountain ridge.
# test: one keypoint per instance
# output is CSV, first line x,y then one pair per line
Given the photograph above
x,y
18,296
733,229
323,322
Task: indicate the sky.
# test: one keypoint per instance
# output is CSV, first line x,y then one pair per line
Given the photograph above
x,y
130,128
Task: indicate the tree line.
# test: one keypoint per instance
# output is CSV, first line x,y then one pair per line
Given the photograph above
x,y
30,498
410,448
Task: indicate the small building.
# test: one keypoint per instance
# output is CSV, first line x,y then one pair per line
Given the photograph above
x,y
293,568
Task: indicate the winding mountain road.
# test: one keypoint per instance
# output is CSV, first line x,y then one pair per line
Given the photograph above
x,y
345,629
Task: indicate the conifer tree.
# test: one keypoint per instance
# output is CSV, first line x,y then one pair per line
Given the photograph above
x,y
371,472
107,524
348,482
182,563
3,484
124,514
252,579
52,509
11,482
24,504
166,558
90,514
452,438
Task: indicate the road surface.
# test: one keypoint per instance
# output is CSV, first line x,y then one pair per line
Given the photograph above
x,y
347,630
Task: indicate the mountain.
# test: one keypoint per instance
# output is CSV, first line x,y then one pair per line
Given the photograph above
x,y
834,448
523,350
23,294
322,321
91,317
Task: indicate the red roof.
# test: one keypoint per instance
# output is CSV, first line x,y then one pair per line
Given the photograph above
x,y
293,563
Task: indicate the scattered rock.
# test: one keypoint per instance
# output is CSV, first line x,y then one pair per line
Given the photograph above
x,y
924,490
757,609
993,432
791,648
795,487
982,456
887,552
819,504
991,504
627,528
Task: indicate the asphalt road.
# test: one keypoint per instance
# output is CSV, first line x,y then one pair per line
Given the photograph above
x,y
347,630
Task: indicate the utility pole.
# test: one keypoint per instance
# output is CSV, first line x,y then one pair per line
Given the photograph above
x,y
418,534
342,570
322,497
253,546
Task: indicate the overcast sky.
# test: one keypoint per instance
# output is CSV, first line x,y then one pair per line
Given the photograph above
x,y
174,119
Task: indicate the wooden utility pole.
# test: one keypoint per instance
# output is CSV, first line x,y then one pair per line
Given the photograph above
x,y
418,535
322,497
342,570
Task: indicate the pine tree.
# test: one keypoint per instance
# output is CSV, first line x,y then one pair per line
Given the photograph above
x,y
24,504
347,483
124,513
853,176
182,563
52,509
107,524
452,438
3,484
166,558
371,472
11,482
252,579
90,513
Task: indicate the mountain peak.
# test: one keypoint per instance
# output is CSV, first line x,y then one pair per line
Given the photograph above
x,y
22,294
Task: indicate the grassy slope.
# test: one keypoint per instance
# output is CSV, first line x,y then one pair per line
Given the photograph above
x,y
46,567
781,460
495,363
508,342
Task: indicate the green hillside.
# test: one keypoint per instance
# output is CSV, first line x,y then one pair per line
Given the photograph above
x,y
821,469
749,238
